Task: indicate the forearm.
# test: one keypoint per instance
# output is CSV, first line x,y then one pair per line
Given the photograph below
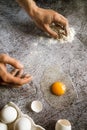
x,y
29,6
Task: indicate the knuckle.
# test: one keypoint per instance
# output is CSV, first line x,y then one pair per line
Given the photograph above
x,y
15,62
3,57
6,79
20,82
55,16
66,21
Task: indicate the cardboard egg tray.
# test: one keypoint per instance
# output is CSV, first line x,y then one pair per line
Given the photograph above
x,y
11,126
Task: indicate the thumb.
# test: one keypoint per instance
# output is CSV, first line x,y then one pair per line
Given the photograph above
x,y
50,31
6,59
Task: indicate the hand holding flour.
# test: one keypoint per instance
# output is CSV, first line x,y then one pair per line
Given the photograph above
x,y
44,17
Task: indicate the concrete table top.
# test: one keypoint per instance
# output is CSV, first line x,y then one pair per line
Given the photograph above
x,y
43,57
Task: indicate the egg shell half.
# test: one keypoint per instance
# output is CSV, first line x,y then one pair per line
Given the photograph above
x,y
22,123
36,106
63,124
3,126
8,114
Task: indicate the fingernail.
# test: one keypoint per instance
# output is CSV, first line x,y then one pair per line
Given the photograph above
x,y
27,75
31,77
21,65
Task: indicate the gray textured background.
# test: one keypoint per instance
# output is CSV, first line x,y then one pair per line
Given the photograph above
x,y
21,39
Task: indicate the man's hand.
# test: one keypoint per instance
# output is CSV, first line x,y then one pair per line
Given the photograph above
x,y
16,77
45,17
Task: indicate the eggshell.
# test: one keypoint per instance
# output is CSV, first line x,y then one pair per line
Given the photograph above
x,y
63,124
3,126
22,123
36,106
21,120
8,114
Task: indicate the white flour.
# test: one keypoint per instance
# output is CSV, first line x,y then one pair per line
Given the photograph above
x,y
68,38
61,33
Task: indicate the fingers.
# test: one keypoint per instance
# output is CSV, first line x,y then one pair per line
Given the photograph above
x,y
6,59
14,78
66,28
58,18
50,31
17,72
14,72
25,80
20,81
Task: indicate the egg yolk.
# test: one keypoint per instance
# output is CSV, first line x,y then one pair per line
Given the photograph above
x,y
58,88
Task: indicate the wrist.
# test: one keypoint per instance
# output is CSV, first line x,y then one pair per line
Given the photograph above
x,y
33,11
29,6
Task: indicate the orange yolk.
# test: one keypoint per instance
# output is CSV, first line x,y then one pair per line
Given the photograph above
x,y
58,88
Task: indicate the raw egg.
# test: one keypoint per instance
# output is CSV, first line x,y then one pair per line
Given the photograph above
x,y
58,88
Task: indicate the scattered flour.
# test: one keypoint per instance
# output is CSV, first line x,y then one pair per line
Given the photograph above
x,y
68,38
62,38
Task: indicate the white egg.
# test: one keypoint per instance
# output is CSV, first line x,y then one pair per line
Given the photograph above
x,y
22,123
63,124
36,106
8,114
3,126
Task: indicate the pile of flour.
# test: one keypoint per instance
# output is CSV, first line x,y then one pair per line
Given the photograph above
x,y
61,33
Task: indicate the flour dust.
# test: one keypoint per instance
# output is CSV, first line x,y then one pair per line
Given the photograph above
x,y
61,33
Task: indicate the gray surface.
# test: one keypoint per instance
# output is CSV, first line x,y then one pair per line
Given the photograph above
x,y
20,38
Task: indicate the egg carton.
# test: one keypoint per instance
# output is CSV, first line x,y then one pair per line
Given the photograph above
x,y
12,118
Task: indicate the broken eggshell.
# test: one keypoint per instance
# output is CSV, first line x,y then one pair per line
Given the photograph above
x,y
22,122
25,122
8,114
63,124
3,126
36,106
